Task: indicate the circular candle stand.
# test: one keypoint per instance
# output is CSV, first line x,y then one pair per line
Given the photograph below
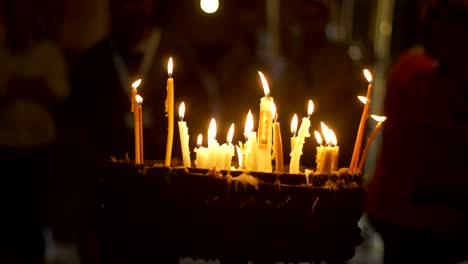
x,y
149,213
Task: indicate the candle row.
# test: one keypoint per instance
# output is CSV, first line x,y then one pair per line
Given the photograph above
x,y
259,149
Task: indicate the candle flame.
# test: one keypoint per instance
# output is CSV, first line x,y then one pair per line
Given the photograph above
x,y
230,134
182,110
273,111
363,99
212,130
199,140
239,156
248,125
139,99
310,108
318,137
294,123
170,66
368,75
325,132
136,83
266,88
332,136
379,118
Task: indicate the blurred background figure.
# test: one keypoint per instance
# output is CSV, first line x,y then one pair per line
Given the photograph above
x,y
33,87
100,122
417,198
321,70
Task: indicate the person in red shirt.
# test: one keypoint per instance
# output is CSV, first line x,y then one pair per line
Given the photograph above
x,y
417,198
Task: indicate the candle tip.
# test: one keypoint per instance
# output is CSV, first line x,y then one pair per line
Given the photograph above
x,y
170,67
368,75
310,108
379,118
182,110
266,88
136,83
139,99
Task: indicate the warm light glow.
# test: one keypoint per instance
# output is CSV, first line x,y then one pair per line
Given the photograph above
x,y
310,108
325,132
273,111
248,125
266,88
239,156
136,83
199,140
363,99
230,134
139,99
318,137
332,136
182,110
212,130
209,6
170,67
379,118
294,123
368,75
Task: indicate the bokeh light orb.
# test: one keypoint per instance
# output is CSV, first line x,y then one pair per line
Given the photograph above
x,y
209,6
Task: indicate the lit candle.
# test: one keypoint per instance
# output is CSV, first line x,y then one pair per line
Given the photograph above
x,y
300,140
250,147
329,155
202,154
213,145
294,123
170,113
265,128
136,109
184,137
319,156
277,142
380,120
134,93
139,101
362,124
228,149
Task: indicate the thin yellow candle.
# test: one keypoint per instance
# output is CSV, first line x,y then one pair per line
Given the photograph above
x,y
277,142
136,109
170,113
294,123
380,120
139,101
362,124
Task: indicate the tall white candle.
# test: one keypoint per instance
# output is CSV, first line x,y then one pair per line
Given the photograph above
x,y
265,128
184,137
300,140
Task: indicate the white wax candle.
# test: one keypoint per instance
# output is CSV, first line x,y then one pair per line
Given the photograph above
x,y
300,140
184,137
202,154
213,145
329,156
265,128
253,152
299,143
